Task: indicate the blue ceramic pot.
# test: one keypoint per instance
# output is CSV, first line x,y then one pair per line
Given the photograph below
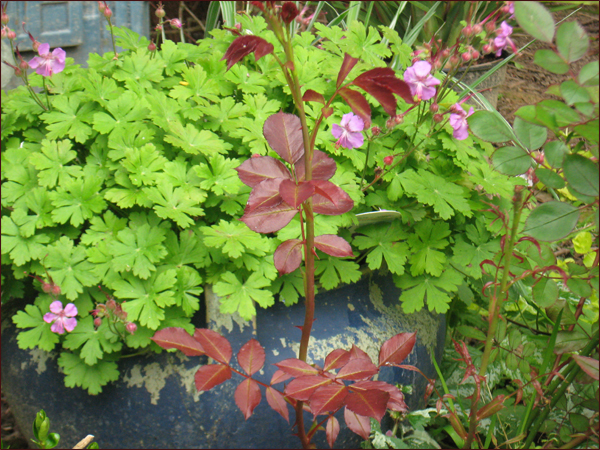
x,y
155,404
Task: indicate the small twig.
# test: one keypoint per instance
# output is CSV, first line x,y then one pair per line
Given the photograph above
x,y
194,16
85,441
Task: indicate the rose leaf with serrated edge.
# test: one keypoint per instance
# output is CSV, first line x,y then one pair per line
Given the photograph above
x,y
247,396
251,357
211,375
301,388
174,337
254,170
313,96
347,65
358,103
296,367
397,348
265,195
295,194
215,346
370,403
288,256
361,425
332,430
336,359
323,167
328,398
277,402
333,245
357,369
269,220
283,132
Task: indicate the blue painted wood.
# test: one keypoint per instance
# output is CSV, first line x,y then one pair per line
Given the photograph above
x,y
154,404
77,27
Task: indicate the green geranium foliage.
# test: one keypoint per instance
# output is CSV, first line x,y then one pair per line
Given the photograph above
x,y
128,182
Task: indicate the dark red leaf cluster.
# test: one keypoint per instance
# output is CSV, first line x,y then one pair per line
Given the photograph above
x,y
243,46
381,83
324,390
288,12
278,192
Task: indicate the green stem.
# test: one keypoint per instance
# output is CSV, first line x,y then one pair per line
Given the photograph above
x,y
494,308
291,75
46,91
362,179
112,35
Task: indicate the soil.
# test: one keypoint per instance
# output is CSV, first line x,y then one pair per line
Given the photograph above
x,y
526,84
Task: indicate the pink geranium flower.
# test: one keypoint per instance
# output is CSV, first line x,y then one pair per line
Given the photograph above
x,y
458,121
48,63
502,40
61,319
420,80
349,131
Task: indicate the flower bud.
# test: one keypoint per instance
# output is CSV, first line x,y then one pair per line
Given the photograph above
x,y
399,119
466,56
131,327
487,48
175,23
10,34
445,53
107,12
101,7
475,54
434,107
46,287
160,12
490,27
467,31
18,72
152,46
97,322
375,130
437,64
55,290
388,160
437,118
111,304
5,19
477,28
390,123
288,12
454,109
454,60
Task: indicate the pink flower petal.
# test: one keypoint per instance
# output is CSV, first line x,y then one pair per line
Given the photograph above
x,y
337,131
56,307
43,49
35,62
354,140
422,69
59,55
346,119
70,323
356,124
49,317
70,310
57,327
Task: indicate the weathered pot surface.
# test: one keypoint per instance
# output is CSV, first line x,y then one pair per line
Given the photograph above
x,y
155,404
